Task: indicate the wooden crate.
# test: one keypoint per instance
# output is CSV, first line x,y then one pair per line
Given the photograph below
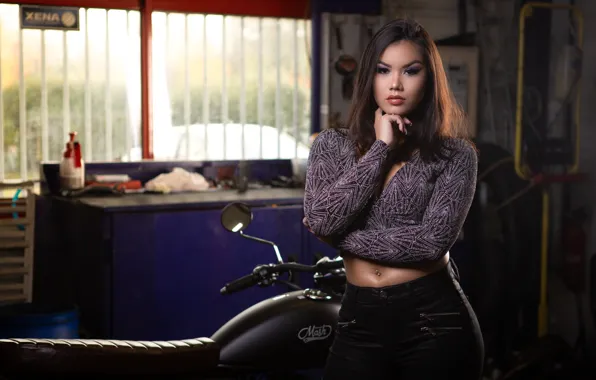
x,y
17,231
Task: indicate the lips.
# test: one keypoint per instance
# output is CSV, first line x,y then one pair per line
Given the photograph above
x,y
395,100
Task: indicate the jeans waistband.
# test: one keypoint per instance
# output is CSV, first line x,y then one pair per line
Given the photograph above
x,y
442,277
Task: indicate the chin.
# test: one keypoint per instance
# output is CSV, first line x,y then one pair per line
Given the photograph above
x,y
401,110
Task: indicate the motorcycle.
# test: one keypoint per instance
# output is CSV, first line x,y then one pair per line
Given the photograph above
x,y
281,337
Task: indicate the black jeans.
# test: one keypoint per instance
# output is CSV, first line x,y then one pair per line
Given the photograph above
x,y
423,329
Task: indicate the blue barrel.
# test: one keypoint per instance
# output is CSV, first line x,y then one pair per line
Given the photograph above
x,y
29,321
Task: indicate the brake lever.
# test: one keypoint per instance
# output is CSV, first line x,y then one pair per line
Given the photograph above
x,y
326,264
262,270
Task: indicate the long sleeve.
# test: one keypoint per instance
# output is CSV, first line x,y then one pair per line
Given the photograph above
x,y
337,187
441,223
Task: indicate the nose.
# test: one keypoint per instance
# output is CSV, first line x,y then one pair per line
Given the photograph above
x,y
396,84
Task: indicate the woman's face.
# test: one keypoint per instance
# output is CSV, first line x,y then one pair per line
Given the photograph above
x,y
400,78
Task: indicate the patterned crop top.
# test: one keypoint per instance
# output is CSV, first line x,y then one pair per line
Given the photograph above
x,y
416,217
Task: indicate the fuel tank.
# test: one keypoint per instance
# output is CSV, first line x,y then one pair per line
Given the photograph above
x,y
290,331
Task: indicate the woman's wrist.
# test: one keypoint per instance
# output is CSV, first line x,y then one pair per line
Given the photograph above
x,y
382,142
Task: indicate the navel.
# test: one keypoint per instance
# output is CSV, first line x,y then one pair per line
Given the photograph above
x,y
378,272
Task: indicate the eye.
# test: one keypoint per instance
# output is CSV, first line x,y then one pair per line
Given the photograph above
x,y
382,70
412,70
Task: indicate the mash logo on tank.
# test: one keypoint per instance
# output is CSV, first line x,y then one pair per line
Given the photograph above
x,y
314,332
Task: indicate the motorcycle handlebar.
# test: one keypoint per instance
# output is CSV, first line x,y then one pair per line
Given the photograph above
x,y
297,267
240,284
262,272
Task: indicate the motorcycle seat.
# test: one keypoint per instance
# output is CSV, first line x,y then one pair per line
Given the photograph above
x,y
107,357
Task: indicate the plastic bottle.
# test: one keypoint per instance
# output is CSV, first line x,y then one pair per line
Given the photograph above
x,y
72,166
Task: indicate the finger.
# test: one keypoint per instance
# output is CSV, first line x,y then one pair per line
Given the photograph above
x,y
408,124
400,122
402,125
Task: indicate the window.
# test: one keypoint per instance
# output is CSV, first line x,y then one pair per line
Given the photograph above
x,y
230,87
53,82
224,87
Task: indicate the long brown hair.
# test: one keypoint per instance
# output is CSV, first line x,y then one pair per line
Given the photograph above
x,y
437,117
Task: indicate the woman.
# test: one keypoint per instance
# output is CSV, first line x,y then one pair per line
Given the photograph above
x,y
392,192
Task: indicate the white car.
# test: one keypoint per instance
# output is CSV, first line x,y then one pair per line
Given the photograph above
x,y
224,142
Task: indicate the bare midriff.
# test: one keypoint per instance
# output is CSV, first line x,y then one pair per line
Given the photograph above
x,y
365,273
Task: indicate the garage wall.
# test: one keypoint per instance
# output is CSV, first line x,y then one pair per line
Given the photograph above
x,y
584,193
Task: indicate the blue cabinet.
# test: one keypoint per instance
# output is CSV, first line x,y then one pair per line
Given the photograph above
x,y
155,272
168,269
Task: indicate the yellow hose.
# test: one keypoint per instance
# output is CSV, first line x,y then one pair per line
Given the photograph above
x,y
543,306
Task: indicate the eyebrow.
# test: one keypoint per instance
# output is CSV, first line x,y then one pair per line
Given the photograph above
x,y
404,66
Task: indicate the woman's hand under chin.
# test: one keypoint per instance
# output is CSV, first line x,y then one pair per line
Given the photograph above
x,y
384,128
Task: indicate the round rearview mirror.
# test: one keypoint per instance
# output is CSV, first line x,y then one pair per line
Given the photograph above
x,y
235,217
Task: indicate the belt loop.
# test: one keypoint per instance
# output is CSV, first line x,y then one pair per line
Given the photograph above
x,y
355,293
350,292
